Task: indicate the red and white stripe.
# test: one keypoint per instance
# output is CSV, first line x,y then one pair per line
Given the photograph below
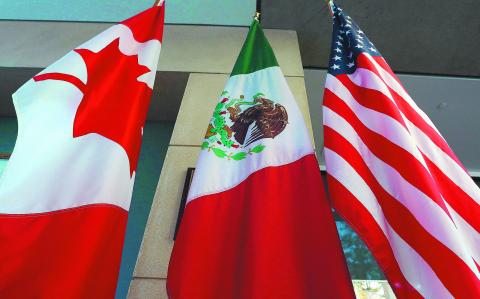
x,y
396,181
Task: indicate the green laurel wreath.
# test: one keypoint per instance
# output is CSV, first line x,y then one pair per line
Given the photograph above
x,y
230,155
218,123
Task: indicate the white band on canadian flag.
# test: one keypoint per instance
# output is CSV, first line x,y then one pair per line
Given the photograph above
x,y
63,172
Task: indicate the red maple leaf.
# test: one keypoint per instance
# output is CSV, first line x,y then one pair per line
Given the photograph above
x,y
114,102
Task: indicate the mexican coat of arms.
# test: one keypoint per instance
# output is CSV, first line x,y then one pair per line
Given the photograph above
x,y
238,123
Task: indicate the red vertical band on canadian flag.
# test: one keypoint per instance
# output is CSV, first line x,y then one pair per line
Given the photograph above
x,y
66,191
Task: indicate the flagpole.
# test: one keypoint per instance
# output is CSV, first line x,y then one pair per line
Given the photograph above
x,y
257,16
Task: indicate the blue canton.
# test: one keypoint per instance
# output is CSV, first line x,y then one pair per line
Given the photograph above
x,y
348,41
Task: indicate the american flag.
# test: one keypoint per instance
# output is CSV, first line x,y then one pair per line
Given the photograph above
x,y
393,177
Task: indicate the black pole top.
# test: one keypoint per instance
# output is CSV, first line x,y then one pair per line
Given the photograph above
x,y
259,8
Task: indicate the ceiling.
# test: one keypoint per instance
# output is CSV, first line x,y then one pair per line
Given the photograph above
x,y
423,37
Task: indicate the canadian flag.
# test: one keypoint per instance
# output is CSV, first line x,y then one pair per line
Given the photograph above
x,y
65,194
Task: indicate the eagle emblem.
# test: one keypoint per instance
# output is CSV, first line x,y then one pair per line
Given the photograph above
x,y
237,123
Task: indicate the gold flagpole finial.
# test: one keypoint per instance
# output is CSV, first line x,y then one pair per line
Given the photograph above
x,y
257,16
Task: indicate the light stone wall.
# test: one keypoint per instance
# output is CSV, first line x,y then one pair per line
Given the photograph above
x,y
209,54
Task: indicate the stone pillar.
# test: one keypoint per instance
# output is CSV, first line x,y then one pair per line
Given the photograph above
x,y
208,54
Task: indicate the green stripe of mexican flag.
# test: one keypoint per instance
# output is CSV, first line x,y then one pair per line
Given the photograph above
x,y
257,224
256,53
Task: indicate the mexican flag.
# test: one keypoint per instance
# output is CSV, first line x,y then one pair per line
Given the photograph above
x,y
66,191
257,223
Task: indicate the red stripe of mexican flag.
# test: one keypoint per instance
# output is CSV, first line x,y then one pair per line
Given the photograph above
x,y
257,223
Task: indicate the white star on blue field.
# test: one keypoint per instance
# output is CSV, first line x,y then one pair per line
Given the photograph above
x,y
348,41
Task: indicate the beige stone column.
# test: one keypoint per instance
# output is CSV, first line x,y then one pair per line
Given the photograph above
x,y
208,54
